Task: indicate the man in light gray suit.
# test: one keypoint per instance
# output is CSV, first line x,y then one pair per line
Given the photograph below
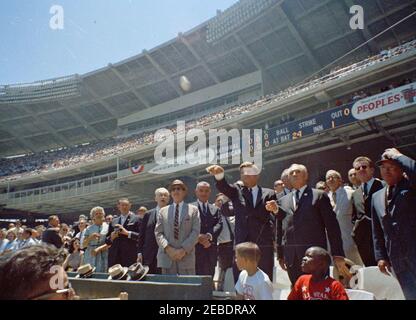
x,y
177,230
341,201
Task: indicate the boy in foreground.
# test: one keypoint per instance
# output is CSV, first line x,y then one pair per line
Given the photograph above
x,y
316,284
253,283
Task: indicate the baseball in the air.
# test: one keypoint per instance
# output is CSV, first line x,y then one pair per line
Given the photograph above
x,y
184,83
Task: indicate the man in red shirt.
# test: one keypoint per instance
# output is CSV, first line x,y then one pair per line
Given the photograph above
x,y
316,284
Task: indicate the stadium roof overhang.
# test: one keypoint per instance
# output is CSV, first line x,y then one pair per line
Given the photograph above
x,y
257,118
287,41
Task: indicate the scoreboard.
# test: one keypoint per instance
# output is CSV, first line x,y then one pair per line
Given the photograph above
x,y
329,119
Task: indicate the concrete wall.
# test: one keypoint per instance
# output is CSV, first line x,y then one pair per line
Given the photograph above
x,y
194,98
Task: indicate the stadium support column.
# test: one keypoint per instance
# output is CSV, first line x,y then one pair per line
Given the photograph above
x,y
118,165
298,37
268,85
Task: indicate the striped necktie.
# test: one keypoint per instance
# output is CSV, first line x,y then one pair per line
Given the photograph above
x,y
176,223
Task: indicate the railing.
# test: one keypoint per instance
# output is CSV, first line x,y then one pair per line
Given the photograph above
x,y
62,191
40,90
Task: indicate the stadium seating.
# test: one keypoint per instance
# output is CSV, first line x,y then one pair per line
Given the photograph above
x,y
34,164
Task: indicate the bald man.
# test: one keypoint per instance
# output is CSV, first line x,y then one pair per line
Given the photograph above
x,y
308,218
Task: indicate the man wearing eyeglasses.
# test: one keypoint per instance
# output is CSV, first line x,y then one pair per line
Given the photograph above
x,y
279,188
177,230
354,181
361,216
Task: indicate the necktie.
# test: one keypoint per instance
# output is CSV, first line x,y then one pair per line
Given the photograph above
x,y
390,193
249,196
365,189
334,198
297,198
205,209
176,223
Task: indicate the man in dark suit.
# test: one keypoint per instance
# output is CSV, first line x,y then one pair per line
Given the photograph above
x,y
148,246
211,226
394,220
253,223
361,215
307,219
51,234
123,235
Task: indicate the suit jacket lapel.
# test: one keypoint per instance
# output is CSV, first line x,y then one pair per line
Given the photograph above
x,y
210,210
396,192
184,213
171,216
306,193
201,209
373,188
126,222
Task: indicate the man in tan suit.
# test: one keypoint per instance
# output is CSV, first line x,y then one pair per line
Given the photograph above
x,y
177,230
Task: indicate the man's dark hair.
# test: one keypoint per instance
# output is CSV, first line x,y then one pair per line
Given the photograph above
x,y
22,271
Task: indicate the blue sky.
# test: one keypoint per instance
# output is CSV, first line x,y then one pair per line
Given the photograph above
x,y
96,32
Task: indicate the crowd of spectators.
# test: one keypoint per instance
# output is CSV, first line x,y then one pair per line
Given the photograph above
x,y
351,219
33,164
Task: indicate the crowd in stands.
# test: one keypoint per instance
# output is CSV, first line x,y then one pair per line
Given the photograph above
x,y
33,164
243,229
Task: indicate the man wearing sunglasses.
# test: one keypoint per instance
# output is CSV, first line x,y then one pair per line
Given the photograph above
x,y
361,216
177,230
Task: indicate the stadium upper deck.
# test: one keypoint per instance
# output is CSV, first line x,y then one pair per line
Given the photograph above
x,y
271,36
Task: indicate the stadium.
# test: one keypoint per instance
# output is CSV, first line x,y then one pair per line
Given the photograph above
x,y
318,90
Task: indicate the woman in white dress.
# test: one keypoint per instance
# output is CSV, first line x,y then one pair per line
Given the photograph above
x,y
96,250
